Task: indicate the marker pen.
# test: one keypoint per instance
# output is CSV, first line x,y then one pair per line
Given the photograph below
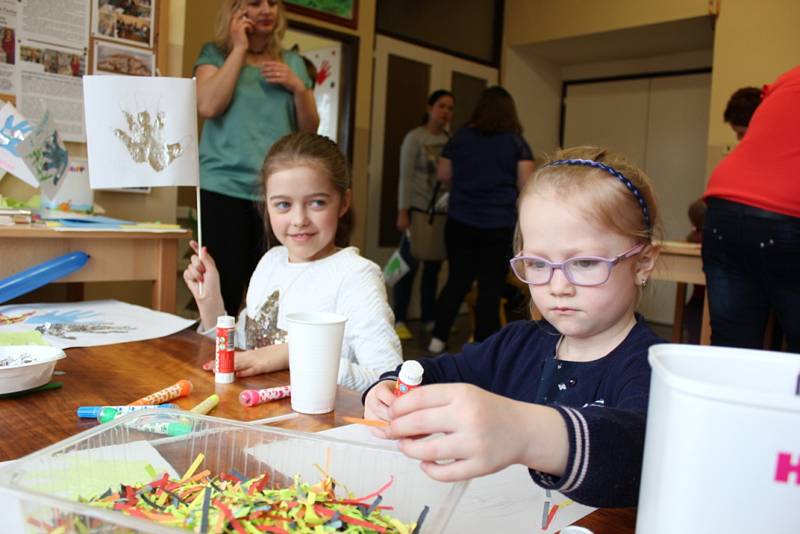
x,y
92,412
410,377
224,365
253,397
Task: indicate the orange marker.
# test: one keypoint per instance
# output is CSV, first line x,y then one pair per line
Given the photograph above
x,y
182,388
367,422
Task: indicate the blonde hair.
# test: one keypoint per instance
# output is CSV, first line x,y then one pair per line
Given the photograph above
x,y
309,149
222,29
604,198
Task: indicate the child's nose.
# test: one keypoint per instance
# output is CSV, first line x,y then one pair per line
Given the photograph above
x,y
299,217
559,284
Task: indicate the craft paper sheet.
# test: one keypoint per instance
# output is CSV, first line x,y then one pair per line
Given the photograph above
x,y
44,152
506,501
90,324
141,131
13,130
74,194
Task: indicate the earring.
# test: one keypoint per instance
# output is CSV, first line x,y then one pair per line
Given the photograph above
x,y
643,283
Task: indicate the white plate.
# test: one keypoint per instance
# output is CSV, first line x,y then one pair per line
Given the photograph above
x,y
33,366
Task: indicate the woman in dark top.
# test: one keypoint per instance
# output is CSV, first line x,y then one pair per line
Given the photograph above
x,y
486,164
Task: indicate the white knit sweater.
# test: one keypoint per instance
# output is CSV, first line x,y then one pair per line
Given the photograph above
x,y
343,283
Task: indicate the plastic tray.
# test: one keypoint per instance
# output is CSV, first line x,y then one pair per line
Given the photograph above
x,y
47,483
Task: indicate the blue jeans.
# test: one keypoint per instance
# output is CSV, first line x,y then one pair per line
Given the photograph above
x,y
751,258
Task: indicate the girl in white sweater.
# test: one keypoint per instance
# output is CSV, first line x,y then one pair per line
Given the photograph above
x,y
307,196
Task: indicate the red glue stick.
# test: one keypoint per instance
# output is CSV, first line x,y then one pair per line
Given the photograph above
x,y
409,378
254,397
224,365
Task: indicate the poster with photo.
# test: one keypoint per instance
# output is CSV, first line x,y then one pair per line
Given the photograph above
x,y
128,21
8,47
120,59
50,78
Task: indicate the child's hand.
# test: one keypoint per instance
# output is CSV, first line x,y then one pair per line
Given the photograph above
x,y
203,270
483,432
258,361
377,404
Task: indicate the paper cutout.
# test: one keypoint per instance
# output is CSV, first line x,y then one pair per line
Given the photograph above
x,y
141,131
74,194
12,132
45,155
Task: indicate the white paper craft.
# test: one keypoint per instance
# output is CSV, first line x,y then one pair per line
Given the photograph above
x,y
13,129
74,193
44,153
508,500
91,323
141,131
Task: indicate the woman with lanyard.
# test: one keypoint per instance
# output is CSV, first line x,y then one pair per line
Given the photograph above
x,y
251,92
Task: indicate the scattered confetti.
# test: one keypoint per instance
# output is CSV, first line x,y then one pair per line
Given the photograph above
x,y
231,503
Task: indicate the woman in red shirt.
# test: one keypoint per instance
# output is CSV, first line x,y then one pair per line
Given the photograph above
x,y
751,237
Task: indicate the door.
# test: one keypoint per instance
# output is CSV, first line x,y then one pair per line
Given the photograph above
x,y
404,76
660,124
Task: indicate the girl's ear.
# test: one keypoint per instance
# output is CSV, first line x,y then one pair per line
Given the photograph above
x,y
647,262
346,199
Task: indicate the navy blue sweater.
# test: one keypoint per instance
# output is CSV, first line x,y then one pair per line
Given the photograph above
x,y
603,402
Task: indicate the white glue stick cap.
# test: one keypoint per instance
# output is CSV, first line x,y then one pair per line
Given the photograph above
x,y
411,373
224,378
225,321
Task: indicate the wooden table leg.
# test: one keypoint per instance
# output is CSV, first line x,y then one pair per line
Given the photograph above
x,y
166,269
705,327
677,320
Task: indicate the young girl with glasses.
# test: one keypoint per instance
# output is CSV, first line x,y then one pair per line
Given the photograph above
x,y
567,395
307,193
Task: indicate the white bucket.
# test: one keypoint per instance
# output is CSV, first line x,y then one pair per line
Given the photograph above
x,y
722,450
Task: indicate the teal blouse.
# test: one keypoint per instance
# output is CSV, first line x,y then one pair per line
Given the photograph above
x,y
234,144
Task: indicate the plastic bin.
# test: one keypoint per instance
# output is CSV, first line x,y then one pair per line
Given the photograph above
x,y
48,482
722,451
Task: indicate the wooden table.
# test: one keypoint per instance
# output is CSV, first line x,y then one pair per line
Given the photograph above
x,y
115,256
119,374
681,262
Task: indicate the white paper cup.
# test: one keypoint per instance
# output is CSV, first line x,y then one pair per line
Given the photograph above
x,y
315,346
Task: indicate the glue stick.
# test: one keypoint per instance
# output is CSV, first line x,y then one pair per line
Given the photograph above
x,y
409,378
224,366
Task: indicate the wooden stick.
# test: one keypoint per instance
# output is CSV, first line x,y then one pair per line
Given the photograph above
x,y
367,422
199,235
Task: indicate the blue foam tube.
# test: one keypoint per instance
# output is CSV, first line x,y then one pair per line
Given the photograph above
x,y
41,274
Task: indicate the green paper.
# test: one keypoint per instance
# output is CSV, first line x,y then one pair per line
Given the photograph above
x,y
34,337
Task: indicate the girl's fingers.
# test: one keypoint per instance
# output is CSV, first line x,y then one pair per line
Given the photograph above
x,y
452,471
208,366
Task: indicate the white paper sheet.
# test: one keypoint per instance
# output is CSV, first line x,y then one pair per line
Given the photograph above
x,y
141,131
13,129
91,323
506,501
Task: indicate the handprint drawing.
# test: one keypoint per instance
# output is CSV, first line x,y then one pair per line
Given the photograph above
x,y
12,134
144,143
56,158
66,316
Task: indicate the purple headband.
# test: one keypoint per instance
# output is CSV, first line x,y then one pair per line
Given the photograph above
x,y
616,174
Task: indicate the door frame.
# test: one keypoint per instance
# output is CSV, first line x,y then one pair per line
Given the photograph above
x,y
442,67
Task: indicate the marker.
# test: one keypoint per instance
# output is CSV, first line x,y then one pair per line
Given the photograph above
x,y
367,422
182,388
254,397
168,427
410,377
91,412
207,405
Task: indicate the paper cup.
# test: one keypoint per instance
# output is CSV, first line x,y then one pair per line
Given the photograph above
x,y
315,346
